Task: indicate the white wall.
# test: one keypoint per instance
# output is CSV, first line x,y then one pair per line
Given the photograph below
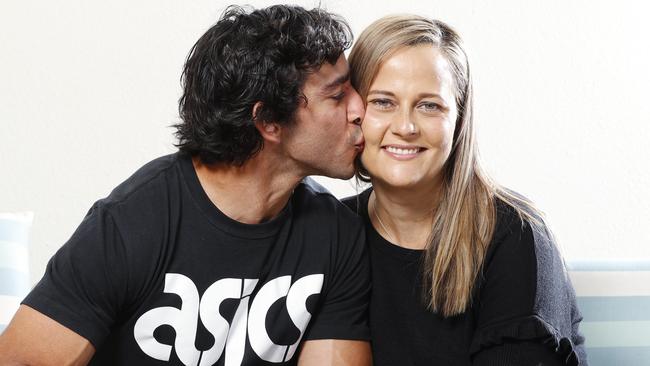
x,y
89,88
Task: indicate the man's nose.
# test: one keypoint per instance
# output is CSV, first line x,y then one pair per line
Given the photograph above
x,y
356,110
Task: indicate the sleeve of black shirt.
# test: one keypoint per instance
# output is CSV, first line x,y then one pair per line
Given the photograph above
x,y
85,281
525,304
517,354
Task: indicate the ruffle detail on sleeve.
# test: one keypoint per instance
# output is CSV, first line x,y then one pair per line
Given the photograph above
x,y
530,328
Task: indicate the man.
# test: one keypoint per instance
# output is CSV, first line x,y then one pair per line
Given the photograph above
x,y
222,254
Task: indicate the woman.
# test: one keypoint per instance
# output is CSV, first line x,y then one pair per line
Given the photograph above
x,y
464,271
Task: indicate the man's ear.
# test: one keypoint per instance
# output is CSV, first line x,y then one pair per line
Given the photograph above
x,y
270,131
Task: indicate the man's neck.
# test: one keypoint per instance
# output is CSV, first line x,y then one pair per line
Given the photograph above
x,y
252,193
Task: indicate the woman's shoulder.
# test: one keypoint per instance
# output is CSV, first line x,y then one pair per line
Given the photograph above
x,y
522,245
521,232
524,291
524,263
510,266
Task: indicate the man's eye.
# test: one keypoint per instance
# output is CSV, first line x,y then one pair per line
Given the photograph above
x,y
339,96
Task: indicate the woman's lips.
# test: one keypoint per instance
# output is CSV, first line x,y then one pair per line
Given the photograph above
x,y
402,152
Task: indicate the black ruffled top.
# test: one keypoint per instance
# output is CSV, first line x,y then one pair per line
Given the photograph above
x,y
523,312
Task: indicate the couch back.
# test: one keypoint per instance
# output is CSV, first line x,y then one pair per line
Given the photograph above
x,y
614,298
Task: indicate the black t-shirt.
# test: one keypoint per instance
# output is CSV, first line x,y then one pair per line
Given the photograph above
x,y
157,275
523,312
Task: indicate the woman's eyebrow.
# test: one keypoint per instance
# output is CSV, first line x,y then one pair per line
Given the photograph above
x,y
420,96
385,92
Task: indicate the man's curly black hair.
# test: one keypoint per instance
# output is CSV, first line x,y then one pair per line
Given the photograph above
x,y
261,55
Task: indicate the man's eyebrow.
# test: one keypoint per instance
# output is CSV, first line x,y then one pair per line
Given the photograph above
x,y
338,81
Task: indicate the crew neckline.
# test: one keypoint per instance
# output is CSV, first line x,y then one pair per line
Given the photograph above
x,y
378,241
219,219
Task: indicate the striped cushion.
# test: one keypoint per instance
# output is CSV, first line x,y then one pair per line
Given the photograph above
x,y
14,263
614,298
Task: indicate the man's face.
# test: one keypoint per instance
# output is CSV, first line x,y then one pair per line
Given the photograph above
x,y
326,134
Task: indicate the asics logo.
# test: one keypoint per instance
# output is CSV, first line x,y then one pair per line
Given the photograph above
x,y
229,337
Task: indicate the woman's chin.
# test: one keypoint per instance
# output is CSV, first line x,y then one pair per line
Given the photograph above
x,y
401,182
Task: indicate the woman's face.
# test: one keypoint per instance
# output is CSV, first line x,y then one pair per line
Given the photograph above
x,y
410,118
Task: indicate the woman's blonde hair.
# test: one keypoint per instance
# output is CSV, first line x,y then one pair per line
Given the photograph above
x,y
465,219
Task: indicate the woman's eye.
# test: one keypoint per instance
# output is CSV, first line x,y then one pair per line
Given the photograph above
x,y
381,103
430,107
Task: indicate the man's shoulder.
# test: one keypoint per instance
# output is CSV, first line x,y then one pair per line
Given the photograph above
x,y
313,187
145,183
142,203
358,203
311,196
147,196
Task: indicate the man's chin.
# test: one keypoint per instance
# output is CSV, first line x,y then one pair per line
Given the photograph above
x,y
344,174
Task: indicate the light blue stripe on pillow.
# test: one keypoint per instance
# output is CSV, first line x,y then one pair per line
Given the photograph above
x,y
619,356
614,308
614,299
616,334
13,283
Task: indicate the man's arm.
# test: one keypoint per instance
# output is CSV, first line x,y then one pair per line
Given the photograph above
x,y
34,339
331,352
